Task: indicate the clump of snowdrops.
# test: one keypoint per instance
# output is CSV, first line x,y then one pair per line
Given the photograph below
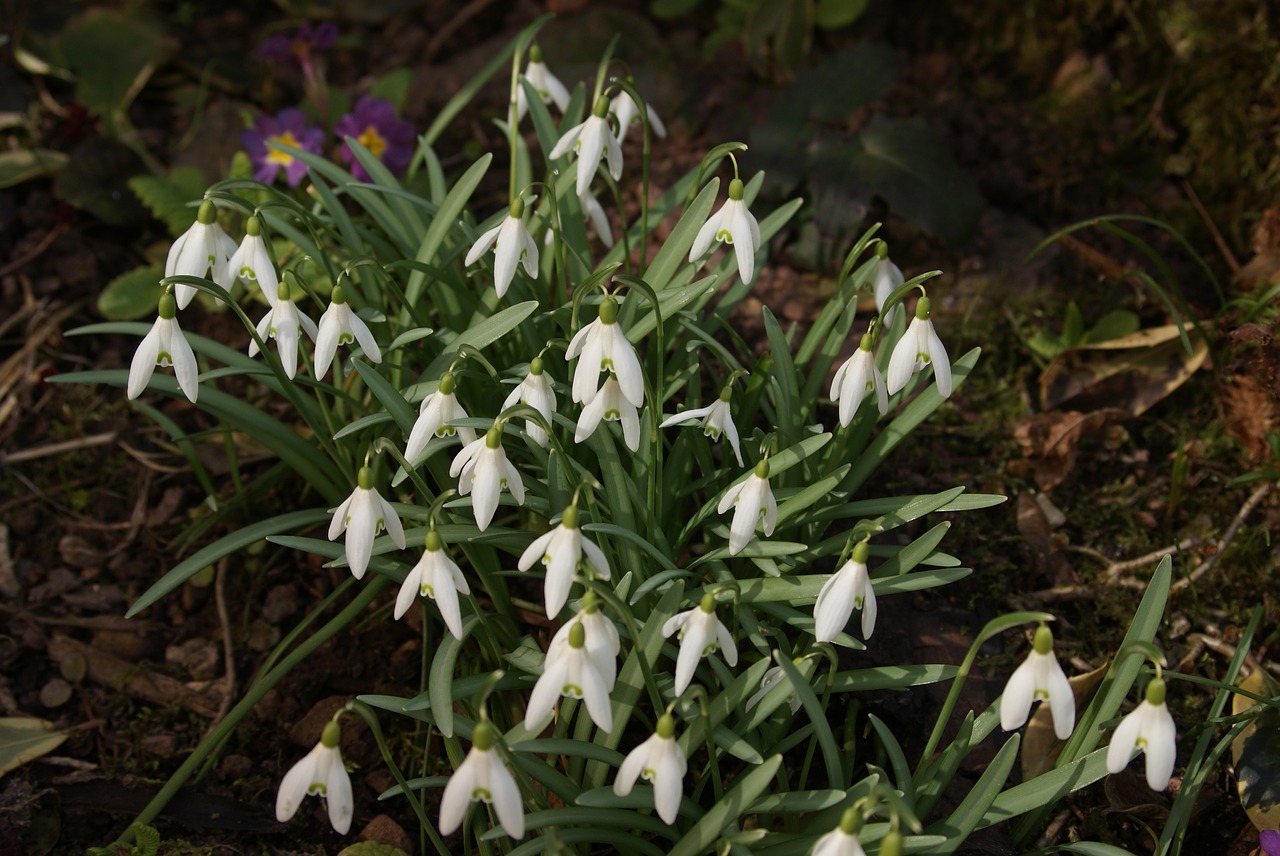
x,y
648,554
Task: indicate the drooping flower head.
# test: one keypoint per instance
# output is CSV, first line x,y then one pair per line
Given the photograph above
x,y
610,405
251,262
438,577
320,772
434,415
886,278
339,325
701,633
482,778
562,551
624,107
845,590
307,39
591,140
857,378
732,224
374,124
283,322
918,348
772,677
716,420
546,84
482,467
164,345
1039,678
843,840
512,246
753,505
202,250
1149,728
290,127
535,390
570,671
659,760
362,515
601,346
603,641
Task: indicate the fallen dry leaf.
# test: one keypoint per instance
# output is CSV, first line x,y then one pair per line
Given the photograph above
x,y
1049,440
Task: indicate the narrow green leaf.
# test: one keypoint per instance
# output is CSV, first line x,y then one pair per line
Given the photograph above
x,y
965,819
388,396
440,686
444,221
733,806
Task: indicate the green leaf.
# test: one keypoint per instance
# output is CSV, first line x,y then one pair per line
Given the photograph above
x,y
965,819
733,806
440,688
443,222
170,199
131,295
832,14
24,739
21,165
390,398
393,86
905,162
112,54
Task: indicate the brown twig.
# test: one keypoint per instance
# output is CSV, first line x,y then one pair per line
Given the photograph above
x,y
1115,570
35,252
1223,248
466,13
32,454
1254,500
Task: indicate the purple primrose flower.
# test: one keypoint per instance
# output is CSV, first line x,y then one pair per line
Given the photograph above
x,y
374,124
296,48
1270,841
289,128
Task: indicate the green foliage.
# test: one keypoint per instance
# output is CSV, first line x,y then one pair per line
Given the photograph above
x,y
171,199
131,295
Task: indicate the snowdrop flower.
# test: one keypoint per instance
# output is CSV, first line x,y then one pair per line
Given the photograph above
x,y
716,420
603,642
482,777
204,248
602,346
886,278
753,504
659,760
282,322
592,208
570,671
434,415
362,514
535,390
252,263
563,550
164,345
591,140
610,405
856,377
512,245
1039,677
732,224
320,772
919,347
843,840
438,577
772,678
482,465
624,107
546,84
844,590
339,325
700,634
1148,728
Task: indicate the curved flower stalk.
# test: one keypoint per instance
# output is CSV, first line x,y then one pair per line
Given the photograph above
x,y
624,107
339,325
202,249
601,346
661,761
434,415
919,347
591,140
438,577
512,246
251,262
603,641
857,377
1039,677
563,551
164,345
482,466
570,671
361,515
283,322
753,505
610,405
846,589
535,390
482,777
732,224
701,633
1148,728
546,84
321,772
716,419
886,278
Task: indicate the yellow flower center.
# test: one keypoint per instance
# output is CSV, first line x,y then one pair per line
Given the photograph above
x,y
373,141
277,156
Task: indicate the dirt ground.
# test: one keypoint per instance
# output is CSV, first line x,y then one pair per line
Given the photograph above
x,y
96,501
